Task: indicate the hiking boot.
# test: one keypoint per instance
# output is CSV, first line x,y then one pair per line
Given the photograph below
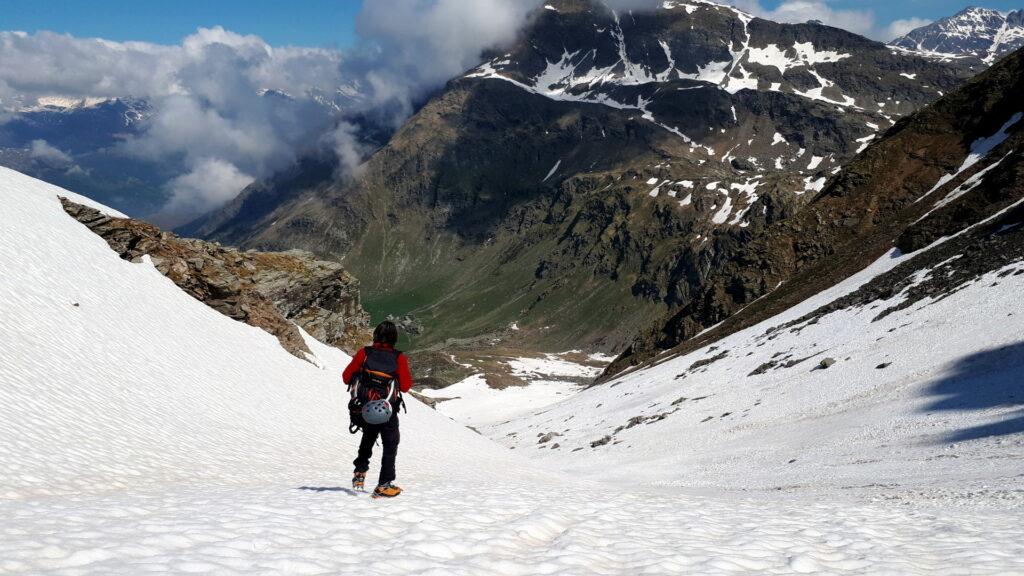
x,y
358,480
388,490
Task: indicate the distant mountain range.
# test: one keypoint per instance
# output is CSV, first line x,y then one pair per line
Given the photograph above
x,y
980,32
73,143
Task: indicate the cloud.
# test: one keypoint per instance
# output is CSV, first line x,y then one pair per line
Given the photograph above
x,y
344,140
224,105
409,47
626,5
232,101
211,183
43,150
792,11
898,28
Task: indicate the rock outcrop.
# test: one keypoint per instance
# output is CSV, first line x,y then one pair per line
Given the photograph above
x,y
273,291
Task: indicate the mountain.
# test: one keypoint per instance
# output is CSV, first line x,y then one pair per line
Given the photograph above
x,y
74,143
946,181
979,32
143,431
581,181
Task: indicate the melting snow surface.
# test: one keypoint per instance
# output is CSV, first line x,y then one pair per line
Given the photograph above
x,y
143,432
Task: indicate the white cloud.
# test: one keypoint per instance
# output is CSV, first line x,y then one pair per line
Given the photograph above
x,y
898,28
43,150
212,113
211,183
344,140
411,46
857,21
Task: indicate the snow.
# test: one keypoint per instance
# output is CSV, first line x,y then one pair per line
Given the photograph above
x,y
474,403
864,142
815,162
969,184
805,54
552,171
550,365
979,150
906,433
812,184
143,432
723,213
778,139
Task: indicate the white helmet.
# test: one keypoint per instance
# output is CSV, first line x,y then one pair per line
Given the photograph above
x,y
377,412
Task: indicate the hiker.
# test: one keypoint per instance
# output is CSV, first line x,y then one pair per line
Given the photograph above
x,y
377,377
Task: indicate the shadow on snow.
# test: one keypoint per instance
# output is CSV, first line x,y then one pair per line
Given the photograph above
x,y
348,491
988,379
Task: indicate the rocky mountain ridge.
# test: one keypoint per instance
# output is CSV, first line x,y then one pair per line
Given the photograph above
x,y
276,292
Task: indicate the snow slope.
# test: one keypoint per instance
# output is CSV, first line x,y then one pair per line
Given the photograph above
x,y
142,432
923,403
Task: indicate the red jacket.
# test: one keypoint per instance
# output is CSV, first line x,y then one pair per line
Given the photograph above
x,y
404,375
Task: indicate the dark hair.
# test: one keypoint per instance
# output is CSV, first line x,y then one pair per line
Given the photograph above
x,y
385,333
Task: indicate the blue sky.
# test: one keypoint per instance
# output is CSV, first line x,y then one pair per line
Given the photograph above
x,y
325,23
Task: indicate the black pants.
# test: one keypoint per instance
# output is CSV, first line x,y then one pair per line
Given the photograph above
x,y
389,436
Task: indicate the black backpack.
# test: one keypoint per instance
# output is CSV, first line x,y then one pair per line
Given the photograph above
x,y
376,380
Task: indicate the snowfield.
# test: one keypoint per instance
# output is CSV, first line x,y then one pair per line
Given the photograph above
x,y
142,432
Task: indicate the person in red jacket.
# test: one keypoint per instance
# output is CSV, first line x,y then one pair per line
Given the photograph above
x,y
381,357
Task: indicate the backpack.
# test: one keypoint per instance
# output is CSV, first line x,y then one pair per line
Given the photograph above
x,y
376,380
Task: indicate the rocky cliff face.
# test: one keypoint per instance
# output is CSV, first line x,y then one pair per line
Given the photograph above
x,y
978,32
272,291
590,177
952,173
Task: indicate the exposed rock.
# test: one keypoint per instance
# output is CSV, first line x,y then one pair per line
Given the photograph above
x,y
826,363
272,291
406,324
548,437
429,401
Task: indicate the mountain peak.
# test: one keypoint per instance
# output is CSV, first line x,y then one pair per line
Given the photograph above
x,y
974,31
